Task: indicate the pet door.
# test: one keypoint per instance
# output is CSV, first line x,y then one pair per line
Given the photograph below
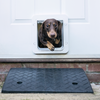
x,y
37,20
40,46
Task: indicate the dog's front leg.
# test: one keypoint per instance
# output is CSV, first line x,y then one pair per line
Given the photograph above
x,y
50,46
57,41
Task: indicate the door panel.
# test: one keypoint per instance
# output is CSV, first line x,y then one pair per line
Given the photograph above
x,y
16,27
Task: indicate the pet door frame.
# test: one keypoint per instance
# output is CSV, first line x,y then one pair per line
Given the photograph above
x,y
41,18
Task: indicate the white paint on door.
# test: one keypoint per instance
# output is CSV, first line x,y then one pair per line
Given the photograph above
x,y
16,27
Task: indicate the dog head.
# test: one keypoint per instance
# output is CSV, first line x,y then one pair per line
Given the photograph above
x,y
52,28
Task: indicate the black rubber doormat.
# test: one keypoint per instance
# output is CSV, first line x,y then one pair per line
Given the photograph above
x,y
47,80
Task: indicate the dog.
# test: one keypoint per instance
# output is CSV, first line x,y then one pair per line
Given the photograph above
x,y
50,34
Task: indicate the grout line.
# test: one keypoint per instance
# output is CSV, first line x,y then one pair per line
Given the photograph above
x,y
3,73
92,72
87,67
23,65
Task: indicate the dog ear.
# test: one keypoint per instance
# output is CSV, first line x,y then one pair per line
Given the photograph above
x,y
59,28
42,27
41,30
41,34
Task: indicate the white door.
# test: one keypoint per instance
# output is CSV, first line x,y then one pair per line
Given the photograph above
x,y
16,27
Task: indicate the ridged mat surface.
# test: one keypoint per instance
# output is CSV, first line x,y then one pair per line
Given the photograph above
x,y
46,80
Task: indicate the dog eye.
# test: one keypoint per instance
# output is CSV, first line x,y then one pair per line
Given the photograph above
x,y
47,25
55,25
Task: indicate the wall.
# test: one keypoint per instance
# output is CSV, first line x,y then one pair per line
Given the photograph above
x,y
92,69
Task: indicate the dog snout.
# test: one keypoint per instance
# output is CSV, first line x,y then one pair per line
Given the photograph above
x,y
52,35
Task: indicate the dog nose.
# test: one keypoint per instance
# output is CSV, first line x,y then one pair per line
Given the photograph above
x,y
52,35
